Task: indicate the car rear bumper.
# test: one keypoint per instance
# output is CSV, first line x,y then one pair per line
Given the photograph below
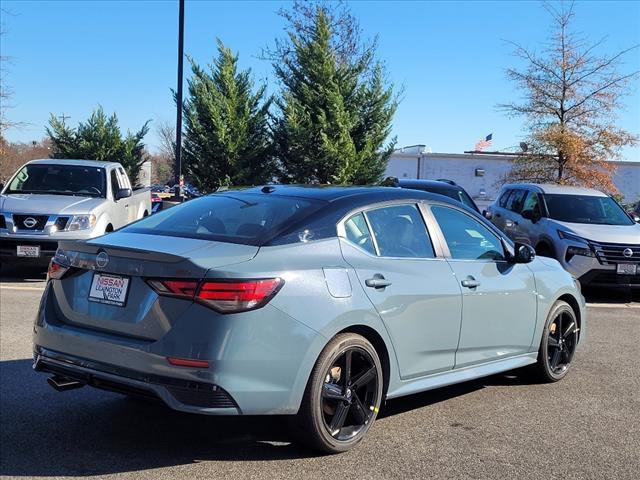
x,y
259,361
9,251
187,396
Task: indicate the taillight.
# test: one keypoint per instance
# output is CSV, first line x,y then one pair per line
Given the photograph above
x,y
56,270
224,296
237,295
175,288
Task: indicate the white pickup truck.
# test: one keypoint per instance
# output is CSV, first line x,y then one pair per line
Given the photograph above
x,y
51,200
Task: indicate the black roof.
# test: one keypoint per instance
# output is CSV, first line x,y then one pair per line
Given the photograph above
x,y
434,184
354,195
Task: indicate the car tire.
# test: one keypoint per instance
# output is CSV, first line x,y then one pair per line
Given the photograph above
x,y
331,378
558,344
544,250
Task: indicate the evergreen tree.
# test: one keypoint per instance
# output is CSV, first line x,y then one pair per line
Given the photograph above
x,y
99,138
335,108
226,126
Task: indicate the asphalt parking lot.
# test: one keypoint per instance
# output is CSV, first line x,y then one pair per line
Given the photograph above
x,y
585,427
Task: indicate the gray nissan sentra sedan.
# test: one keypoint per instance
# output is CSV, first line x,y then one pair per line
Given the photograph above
x,y
318,303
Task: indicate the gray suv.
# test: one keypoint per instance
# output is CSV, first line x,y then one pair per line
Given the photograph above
x,y
588,232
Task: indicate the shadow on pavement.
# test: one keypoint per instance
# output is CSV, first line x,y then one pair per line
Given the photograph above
x,y
90,432
29,274
611,295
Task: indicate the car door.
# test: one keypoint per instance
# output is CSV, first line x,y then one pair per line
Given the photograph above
x,y
528,227
512,212
498,209
412,288
121,211
498,297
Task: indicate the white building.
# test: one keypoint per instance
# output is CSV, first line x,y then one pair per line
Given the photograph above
x,y
480,174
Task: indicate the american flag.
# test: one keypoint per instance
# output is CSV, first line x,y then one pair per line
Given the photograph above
x,y
484,142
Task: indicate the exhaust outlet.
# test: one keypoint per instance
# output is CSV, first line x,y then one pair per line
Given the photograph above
x,y
62,384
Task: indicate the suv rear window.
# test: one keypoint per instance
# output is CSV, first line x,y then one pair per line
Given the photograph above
x,y
250,219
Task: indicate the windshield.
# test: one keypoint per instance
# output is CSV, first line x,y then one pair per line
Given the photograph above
x,y
459,195
250,219
586,209
59,179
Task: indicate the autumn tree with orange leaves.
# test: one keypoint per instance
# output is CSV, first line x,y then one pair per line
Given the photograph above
x,y
572,95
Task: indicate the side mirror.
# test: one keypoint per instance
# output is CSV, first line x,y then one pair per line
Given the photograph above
x,y
523,253
634,216
123,193
487,214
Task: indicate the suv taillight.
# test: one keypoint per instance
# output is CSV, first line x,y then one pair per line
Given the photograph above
x,y
222,295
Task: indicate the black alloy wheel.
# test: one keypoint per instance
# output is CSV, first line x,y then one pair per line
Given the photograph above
x,y
343,395
558,344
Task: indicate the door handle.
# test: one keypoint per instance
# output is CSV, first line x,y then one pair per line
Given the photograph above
x,y
470,282
378,281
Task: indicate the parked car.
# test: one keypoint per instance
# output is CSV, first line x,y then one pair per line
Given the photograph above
x,y
442,186
588,232
156,203
47,201
319,302
635,212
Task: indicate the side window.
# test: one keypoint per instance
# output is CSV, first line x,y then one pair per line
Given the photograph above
x,y
532,203
124,179
516,200
400,232
114,183
467,238
504,198
358,233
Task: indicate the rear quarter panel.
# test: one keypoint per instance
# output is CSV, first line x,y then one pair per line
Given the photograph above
x,y
306,296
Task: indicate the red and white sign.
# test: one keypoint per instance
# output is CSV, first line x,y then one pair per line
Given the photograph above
x,y
109,289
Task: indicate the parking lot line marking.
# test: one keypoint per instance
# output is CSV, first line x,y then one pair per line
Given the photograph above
x,y
18,287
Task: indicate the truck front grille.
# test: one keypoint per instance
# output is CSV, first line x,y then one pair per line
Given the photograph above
x,y
30,222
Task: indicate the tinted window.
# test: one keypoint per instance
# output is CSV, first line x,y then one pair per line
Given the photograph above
x,y
504,198
586,209
358,233
458,195
250,219
400,232
467,238
59,180
516,200
532,203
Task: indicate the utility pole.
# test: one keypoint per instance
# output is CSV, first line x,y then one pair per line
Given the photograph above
x,y
178,165
63,117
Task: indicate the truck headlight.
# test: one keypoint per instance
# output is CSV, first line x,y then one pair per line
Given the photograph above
x,y
82,222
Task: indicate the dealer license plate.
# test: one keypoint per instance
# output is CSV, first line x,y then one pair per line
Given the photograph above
x,y
627,269
32,251
109,289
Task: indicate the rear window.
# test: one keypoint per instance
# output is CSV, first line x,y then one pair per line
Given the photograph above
x,y
250,219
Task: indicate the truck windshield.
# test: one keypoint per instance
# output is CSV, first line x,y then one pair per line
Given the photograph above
x,y
586,209
59,179
245,218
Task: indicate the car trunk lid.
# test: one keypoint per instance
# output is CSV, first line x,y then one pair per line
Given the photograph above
x,y
125,261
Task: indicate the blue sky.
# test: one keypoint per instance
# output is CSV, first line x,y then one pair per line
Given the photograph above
x,y
450,57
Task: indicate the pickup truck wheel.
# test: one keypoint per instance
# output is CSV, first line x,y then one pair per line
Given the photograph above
x,y
145,214
108,229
